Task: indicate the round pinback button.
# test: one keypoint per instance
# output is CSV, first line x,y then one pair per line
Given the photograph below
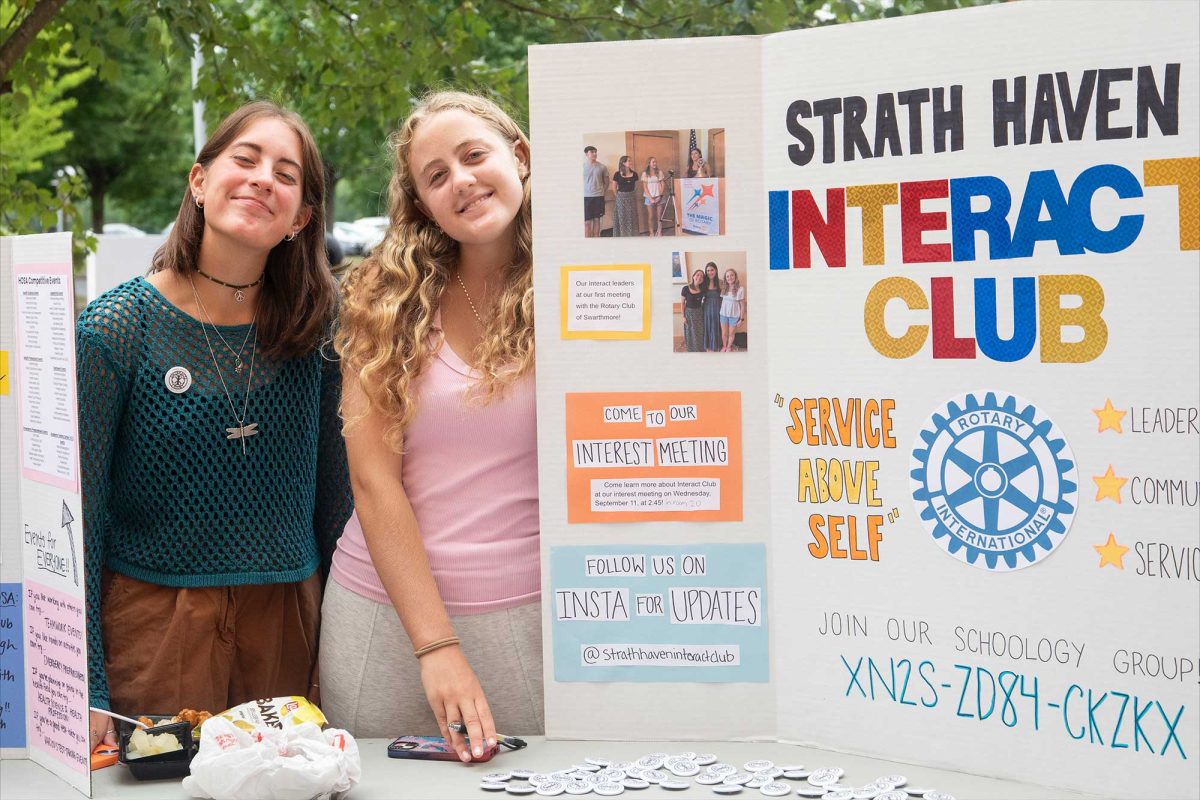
x,y
704,759
578,787
796,774
707,779
758,765
825,777
776,789
178,380
537,778
522,774
737,779
674,786
608,789
492,786
892,794
551,788
654,775
810,791
683,767
771,773
722,769
916,791
635,783
756,782
895,780
727,788
498,777
599,762
519,788
587,766
838,794
934,794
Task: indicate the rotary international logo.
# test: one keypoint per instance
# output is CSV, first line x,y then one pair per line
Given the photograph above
x,y
994,481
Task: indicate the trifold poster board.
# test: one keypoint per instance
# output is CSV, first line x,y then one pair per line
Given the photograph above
x,y
43,642
936,500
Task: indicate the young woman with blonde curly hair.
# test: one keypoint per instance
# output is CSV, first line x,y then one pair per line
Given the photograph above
x,y
437,575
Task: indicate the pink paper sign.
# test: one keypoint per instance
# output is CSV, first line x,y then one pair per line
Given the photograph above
x,y
56,675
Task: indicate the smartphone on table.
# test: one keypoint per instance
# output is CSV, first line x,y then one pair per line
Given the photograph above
x,y
432,748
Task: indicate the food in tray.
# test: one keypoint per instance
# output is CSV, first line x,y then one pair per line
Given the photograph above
x,y
193,718
142,744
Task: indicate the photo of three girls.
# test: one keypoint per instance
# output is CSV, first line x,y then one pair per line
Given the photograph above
x,y
713,309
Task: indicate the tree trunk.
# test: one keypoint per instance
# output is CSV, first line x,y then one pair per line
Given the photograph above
x,y
99,186
14,46
331,179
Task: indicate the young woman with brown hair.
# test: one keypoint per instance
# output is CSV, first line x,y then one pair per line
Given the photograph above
x,y
214,475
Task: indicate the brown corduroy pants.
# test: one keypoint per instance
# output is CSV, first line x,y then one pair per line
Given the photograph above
x,y
207,648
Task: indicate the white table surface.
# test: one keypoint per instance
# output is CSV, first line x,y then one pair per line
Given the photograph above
x,y
395,779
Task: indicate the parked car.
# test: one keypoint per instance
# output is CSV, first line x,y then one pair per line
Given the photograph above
x,y
351,237
373,229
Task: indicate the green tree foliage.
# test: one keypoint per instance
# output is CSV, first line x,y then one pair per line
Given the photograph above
x,y
133,139
353,68
32,130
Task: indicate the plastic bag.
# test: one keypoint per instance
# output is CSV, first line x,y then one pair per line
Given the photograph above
x,y
299,762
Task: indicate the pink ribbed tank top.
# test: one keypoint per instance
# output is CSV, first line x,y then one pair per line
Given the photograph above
x,y
470,472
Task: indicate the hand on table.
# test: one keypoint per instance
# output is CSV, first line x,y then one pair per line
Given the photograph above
x,y
101,729
455,695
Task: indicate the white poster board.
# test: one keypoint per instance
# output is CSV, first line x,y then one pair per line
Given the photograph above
x,y
43,518
118,259
969,399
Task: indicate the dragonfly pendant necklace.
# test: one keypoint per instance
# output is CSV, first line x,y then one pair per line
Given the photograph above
x,y
241,431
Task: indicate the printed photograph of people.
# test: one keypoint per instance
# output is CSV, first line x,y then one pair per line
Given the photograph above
x,y
709,314
654,183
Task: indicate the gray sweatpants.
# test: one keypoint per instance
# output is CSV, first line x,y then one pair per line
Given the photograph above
x,y
371,682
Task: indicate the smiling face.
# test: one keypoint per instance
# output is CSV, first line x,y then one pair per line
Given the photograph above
x,y
252,191
695,157
698,278
467,176
731,277
710,272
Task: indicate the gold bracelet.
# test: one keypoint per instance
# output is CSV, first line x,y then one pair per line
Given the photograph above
x,y
435,645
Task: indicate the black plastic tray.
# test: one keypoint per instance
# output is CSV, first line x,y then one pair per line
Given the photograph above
x,y
163,766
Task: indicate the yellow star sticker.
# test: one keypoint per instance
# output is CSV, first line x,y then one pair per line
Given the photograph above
x,y
1111,553
1110,418
1109,485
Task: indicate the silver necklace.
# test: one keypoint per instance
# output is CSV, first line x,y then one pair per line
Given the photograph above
x,y
237,356
242,431
470,302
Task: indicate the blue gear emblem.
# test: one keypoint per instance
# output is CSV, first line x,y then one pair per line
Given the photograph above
x,y
994,481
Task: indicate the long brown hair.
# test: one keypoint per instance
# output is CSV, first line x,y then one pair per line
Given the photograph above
x,y
298,295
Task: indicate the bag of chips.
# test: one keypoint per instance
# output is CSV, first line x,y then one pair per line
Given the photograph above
x,y
274,712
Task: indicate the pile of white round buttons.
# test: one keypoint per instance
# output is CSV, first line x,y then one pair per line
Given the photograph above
x,y
671,772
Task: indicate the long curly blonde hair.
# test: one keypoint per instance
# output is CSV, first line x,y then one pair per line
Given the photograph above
x,y
389,302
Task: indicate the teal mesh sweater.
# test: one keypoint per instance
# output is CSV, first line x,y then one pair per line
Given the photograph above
x,y
167,498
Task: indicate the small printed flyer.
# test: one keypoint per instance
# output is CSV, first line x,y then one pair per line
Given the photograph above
x,y
646,456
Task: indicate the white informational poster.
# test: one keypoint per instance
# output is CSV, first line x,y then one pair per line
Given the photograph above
x,y
43,641
956,476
